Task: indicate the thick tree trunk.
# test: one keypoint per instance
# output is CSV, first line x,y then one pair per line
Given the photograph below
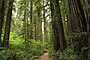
x,y
88,28
78,21
88,31
1,16
8,24
57,25
56,48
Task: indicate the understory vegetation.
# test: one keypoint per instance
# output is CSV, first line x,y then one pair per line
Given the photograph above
x,y
29,29
21,50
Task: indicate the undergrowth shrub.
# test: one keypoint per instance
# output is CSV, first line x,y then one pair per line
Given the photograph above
x,y
67,54
36,47
22,50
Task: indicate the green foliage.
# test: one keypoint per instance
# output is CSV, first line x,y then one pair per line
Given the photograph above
x,y
67,54
72,37
22,50
16,54
35,47
16,40
77,34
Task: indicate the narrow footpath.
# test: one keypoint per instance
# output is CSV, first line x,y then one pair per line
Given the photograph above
x,y
44,57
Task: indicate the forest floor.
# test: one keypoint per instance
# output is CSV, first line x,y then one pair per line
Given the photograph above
x,y
44,57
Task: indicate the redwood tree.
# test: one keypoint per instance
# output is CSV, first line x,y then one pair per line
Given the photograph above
x,y
57,25
1,16
78,22
8,24
31,19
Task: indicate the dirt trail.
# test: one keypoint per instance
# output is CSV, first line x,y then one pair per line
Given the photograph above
x,y
44,57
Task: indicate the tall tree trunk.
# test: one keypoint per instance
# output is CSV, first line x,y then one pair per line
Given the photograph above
x,y
53,26
88,28
31,21
1,16
88,31
45,24
25,22
59,25
25,26
79,22
58,30
8,24
38,25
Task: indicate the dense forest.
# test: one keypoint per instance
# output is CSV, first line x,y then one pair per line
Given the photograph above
x,y
58,28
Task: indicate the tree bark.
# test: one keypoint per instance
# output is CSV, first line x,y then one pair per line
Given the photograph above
x,y
31,21
78,22
2,4
88,28
57,25
8,24
38,25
